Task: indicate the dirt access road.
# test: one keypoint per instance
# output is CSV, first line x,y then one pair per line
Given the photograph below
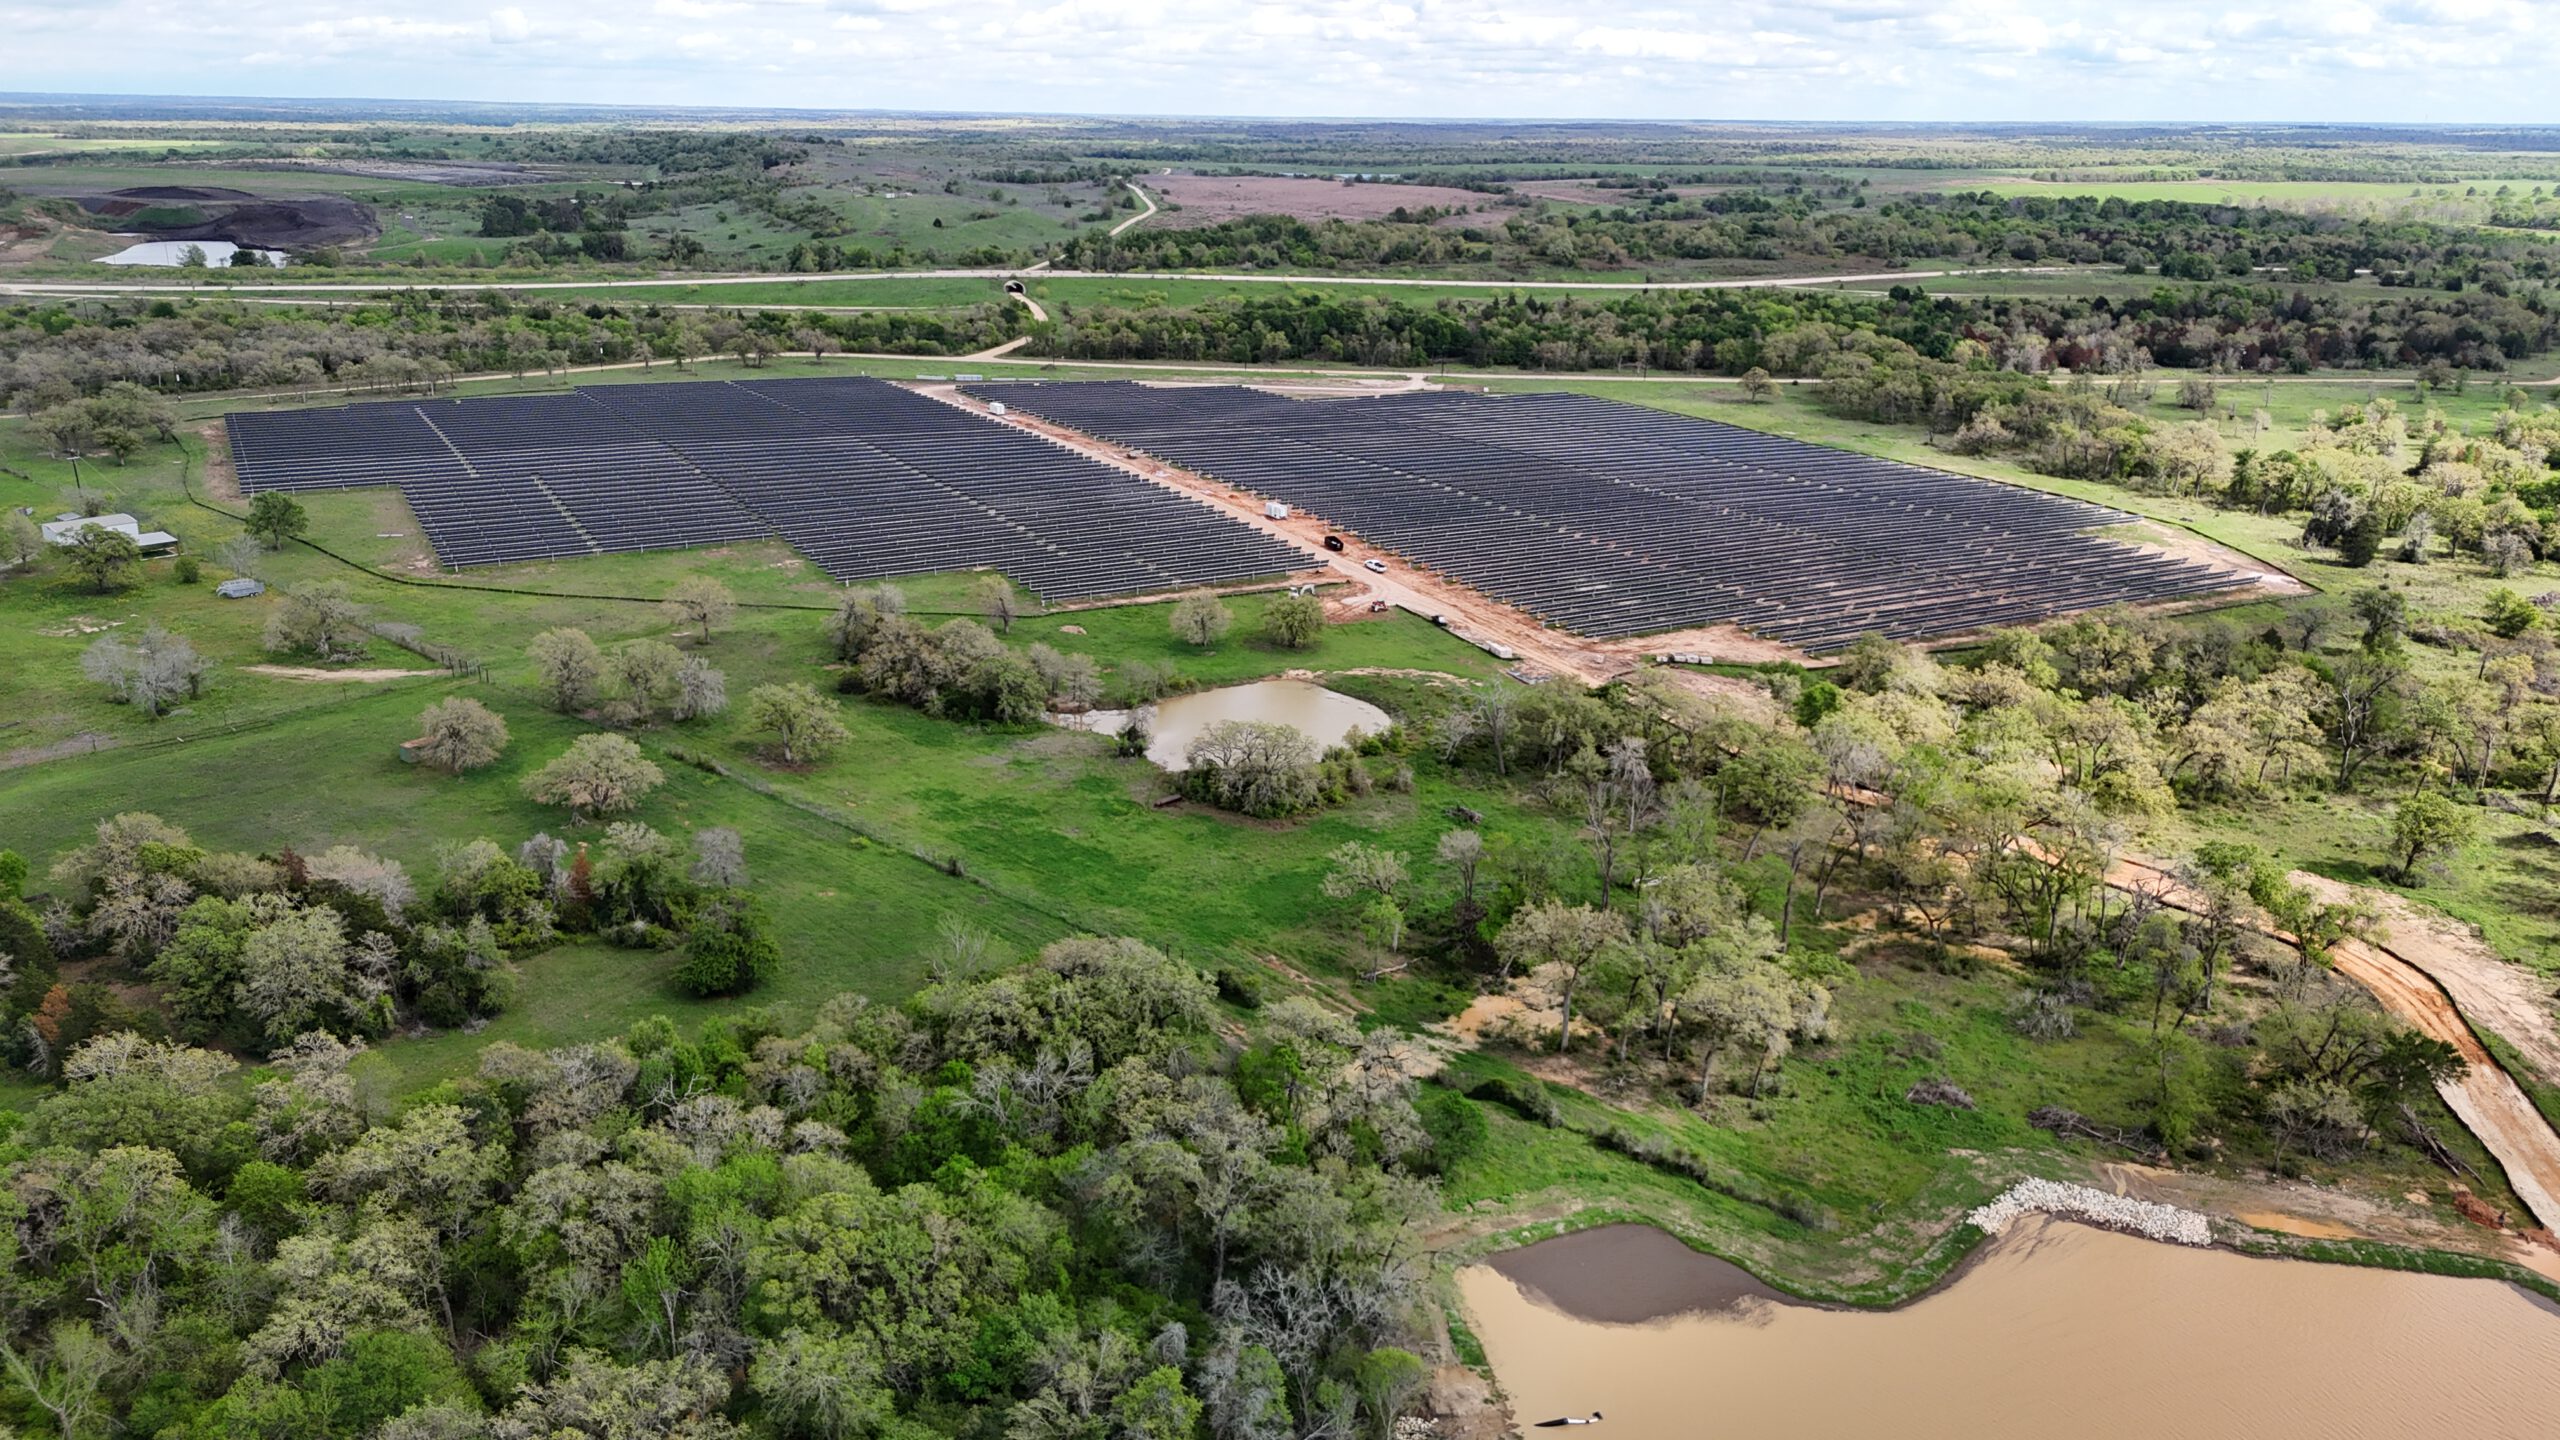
x,y
2498,995
2484,1097
1470,614
1144,199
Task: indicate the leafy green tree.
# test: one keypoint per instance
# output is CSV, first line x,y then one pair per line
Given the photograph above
x,y
107,559
1252,767
1157,1407
1201,619
568,668
275,517
1389,1379
2509,614
596,775
647,671
2385,613
728,950
801,721
2427,830
1293,622
21,543
2361,541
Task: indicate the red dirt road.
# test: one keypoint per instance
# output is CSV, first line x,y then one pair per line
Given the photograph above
x,y
2484,1097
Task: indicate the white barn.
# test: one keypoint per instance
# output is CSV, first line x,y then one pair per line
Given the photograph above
x,y
66,531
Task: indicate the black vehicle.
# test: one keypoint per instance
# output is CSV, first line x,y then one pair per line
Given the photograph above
x,y
1333,542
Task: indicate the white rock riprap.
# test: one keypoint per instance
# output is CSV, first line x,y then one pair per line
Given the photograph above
x,y
2145,1218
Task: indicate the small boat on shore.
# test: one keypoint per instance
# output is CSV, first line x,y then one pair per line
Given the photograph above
x,y
1569,1420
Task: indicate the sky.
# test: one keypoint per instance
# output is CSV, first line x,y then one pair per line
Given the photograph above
x,y
2443,61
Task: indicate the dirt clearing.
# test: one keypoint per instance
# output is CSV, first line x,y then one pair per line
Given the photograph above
x,y
1213,199
360,677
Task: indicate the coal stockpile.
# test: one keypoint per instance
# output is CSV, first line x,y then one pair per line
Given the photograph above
x,y
1612,520
870,480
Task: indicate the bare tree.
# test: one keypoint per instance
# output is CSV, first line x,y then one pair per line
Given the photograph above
x,y
701,692
702,602
1564,938
719,858
149,672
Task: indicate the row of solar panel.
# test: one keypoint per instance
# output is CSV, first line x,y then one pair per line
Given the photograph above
x,y
870,479
1614,519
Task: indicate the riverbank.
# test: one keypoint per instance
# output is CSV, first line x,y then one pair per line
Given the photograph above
x,y
1960,1240
2047,1316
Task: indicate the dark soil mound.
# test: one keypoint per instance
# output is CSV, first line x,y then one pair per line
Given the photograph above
x,y
288,224
179,192
191,212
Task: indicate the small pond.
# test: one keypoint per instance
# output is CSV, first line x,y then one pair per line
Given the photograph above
x,y
1325,716
217,253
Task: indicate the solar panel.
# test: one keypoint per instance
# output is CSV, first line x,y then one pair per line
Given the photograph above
x,y
869,479
1612,519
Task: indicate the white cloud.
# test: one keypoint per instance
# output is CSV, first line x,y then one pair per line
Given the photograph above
x,y
2382,60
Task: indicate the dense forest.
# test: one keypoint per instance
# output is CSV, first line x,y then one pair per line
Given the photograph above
x,y
2235,327
1040,1204
2183,240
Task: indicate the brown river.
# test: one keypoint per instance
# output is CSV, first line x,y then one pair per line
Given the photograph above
x,y
2054,1332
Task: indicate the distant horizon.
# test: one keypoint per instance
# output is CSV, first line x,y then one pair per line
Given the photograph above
x,y
1863,62
37,99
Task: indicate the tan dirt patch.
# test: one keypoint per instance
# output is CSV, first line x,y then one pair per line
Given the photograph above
x,y
1212,199
221,482
79,625
306,672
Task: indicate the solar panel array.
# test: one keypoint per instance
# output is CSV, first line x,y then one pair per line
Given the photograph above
x,y
869,479
1612,519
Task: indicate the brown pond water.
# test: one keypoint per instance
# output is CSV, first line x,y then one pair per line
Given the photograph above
x,y
2055,1332
1325,716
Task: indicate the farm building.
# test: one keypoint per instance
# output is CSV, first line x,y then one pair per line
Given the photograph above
x,y
66,531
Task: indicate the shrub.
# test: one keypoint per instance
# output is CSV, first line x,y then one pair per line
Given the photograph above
x,y
729,950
